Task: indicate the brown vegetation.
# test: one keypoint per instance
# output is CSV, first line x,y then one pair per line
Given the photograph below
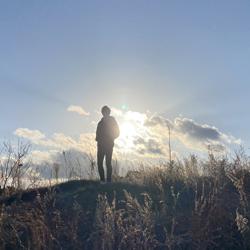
x,y
182,205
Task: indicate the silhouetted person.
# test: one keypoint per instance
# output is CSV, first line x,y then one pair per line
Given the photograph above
x,y
107,131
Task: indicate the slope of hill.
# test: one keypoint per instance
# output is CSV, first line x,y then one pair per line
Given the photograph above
x,y
158,209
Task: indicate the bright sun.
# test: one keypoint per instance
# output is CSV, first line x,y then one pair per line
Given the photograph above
x,y
128,133
131,127
128,129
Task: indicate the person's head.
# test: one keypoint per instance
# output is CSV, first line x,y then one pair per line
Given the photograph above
x,y
106,111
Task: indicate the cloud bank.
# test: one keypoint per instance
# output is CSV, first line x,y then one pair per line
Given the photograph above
x,y
143,136
191,134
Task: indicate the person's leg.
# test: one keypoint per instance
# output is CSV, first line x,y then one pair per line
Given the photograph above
x,y
100,157
109,152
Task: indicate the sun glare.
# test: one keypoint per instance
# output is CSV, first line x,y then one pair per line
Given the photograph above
x,y
128,133
131,127
128,130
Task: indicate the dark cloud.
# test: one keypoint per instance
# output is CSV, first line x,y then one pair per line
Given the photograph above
x,y
216,147
197,131
150,146
158,120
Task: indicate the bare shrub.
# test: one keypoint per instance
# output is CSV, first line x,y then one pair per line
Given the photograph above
x,y
12,165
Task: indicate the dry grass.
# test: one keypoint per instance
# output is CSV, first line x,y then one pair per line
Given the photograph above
x,y
188,205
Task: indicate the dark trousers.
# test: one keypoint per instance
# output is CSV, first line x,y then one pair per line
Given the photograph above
x,y
104,151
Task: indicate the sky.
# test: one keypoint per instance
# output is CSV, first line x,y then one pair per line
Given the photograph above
x,y
181,63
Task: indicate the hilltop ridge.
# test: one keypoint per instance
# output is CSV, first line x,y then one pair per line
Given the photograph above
x,y
158,209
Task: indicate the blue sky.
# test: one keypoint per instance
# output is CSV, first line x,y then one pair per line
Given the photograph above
x,y
188,58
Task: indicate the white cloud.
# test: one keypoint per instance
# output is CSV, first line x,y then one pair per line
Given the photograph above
x,y
38,156
62,141
77,109
33,135
58,141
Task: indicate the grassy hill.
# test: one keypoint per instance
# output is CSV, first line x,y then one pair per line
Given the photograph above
x,y
154,209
